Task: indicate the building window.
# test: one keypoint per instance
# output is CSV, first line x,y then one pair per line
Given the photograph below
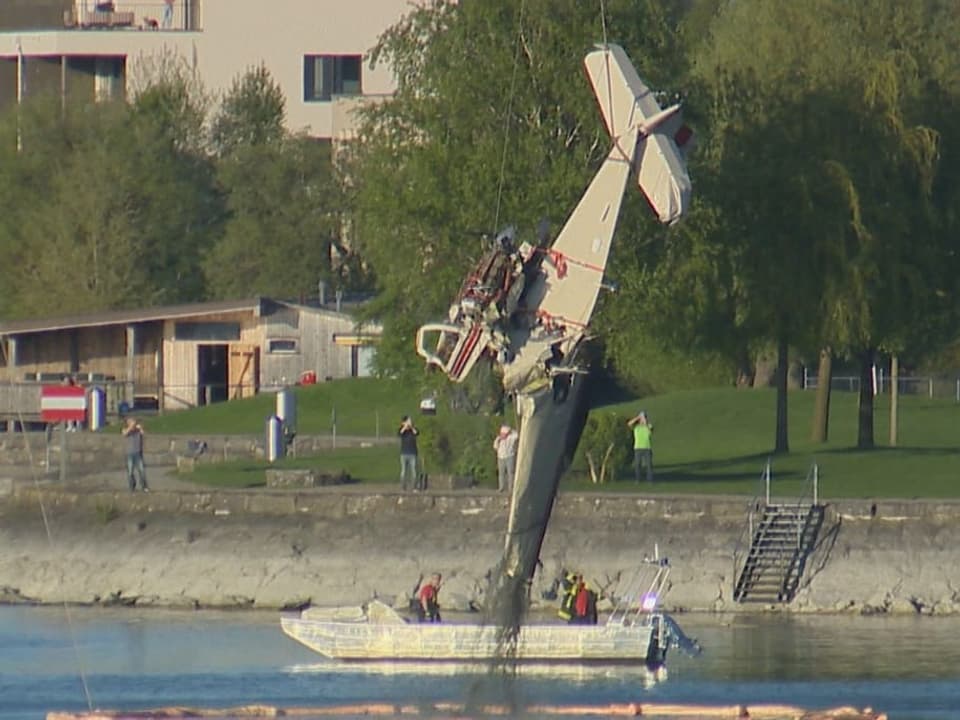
x,y
282,346
327,75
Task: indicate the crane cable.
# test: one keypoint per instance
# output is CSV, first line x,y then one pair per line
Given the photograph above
x,y
506,123
46,526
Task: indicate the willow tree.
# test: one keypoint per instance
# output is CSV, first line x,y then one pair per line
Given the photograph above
x,y
817,122
492,123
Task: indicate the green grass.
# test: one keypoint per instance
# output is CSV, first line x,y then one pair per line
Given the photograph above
x,y
360,406
706,441
717,441
369,465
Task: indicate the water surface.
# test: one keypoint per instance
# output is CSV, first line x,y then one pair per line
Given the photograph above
x,y
908,667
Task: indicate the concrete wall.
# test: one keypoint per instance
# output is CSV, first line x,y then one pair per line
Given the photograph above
x,y
340,546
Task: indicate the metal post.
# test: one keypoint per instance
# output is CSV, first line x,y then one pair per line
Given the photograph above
x,y
958,390
63,452
816,483
333,421
766,480
930,385
19,91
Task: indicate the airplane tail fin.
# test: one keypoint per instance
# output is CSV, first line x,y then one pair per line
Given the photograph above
x,y
626,102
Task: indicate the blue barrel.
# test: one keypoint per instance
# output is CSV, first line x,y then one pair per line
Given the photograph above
x,y
97,414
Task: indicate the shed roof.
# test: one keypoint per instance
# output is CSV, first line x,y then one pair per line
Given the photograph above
x,y
123,317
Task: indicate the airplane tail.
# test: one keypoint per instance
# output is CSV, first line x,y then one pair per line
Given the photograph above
x,y
626,102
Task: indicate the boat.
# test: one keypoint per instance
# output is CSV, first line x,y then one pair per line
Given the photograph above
x,y
635,632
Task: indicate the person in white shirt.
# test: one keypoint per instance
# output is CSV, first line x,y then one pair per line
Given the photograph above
x,y
505,445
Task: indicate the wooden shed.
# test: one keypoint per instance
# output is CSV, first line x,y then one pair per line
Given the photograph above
x,y
175,357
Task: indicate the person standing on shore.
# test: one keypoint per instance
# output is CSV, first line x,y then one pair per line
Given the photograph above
x,y
408,452
642,445
133,432
505,445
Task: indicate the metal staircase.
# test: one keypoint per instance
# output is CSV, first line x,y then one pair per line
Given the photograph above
x,y
782,536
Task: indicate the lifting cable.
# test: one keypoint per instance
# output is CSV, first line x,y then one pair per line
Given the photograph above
x,y
506,122
46,526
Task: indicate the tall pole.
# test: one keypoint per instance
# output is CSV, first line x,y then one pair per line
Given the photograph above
x,y
19,90
894,395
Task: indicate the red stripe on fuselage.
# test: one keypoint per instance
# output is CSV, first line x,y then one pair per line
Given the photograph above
x,y
469,344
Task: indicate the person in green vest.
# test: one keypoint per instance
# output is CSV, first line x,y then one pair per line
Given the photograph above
x,y
642,445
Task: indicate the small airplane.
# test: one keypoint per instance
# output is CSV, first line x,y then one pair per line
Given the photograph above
x,y
527,306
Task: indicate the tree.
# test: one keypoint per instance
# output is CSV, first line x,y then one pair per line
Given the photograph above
x,y
605,446
108,213
810,115
283,207
281,223
252,113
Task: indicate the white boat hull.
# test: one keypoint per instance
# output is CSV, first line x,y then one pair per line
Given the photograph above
x,y
454,642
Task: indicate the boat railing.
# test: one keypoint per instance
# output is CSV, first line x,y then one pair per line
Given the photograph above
x,y
642,596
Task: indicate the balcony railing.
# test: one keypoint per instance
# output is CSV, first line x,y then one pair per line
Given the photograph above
x,y
159,15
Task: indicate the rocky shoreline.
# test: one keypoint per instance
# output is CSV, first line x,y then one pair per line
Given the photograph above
x,y
331,546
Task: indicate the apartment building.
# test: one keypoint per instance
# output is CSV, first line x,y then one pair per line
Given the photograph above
x,y
100,49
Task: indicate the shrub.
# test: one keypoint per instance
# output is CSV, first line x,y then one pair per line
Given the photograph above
x,y
605,446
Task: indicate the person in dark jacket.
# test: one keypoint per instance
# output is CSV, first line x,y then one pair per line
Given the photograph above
x,y
408,453
569,584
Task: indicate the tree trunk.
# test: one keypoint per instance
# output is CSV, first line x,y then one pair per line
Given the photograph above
x,y
745,371
820,431
894,397
782,445
865,415
603,465
594,478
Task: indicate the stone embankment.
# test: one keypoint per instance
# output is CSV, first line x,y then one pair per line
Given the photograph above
x,y
90,452
274,548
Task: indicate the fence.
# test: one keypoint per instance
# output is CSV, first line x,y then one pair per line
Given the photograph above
x,y
943,386
136,14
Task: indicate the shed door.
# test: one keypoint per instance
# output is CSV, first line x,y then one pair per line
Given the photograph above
x,y
244,370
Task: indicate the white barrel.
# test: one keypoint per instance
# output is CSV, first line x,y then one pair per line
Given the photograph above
x,y
287,408
97,414
274,438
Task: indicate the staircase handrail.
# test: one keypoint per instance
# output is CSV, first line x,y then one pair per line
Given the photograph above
x,y
752,511
811,490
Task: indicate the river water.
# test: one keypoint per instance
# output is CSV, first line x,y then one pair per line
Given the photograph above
x,y
908,667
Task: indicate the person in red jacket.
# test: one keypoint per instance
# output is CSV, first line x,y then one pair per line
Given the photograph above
x,y
585,605
429,610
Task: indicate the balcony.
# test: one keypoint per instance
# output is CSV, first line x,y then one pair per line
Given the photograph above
x,y
155,15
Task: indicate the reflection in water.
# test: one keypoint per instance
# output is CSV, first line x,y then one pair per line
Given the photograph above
x,y
834,647
639,675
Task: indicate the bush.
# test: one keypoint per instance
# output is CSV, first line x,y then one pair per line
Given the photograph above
x,y
605,446
459,444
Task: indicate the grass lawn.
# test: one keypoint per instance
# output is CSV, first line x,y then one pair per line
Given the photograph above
x,y
706,441
372,465
717,441
360,406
